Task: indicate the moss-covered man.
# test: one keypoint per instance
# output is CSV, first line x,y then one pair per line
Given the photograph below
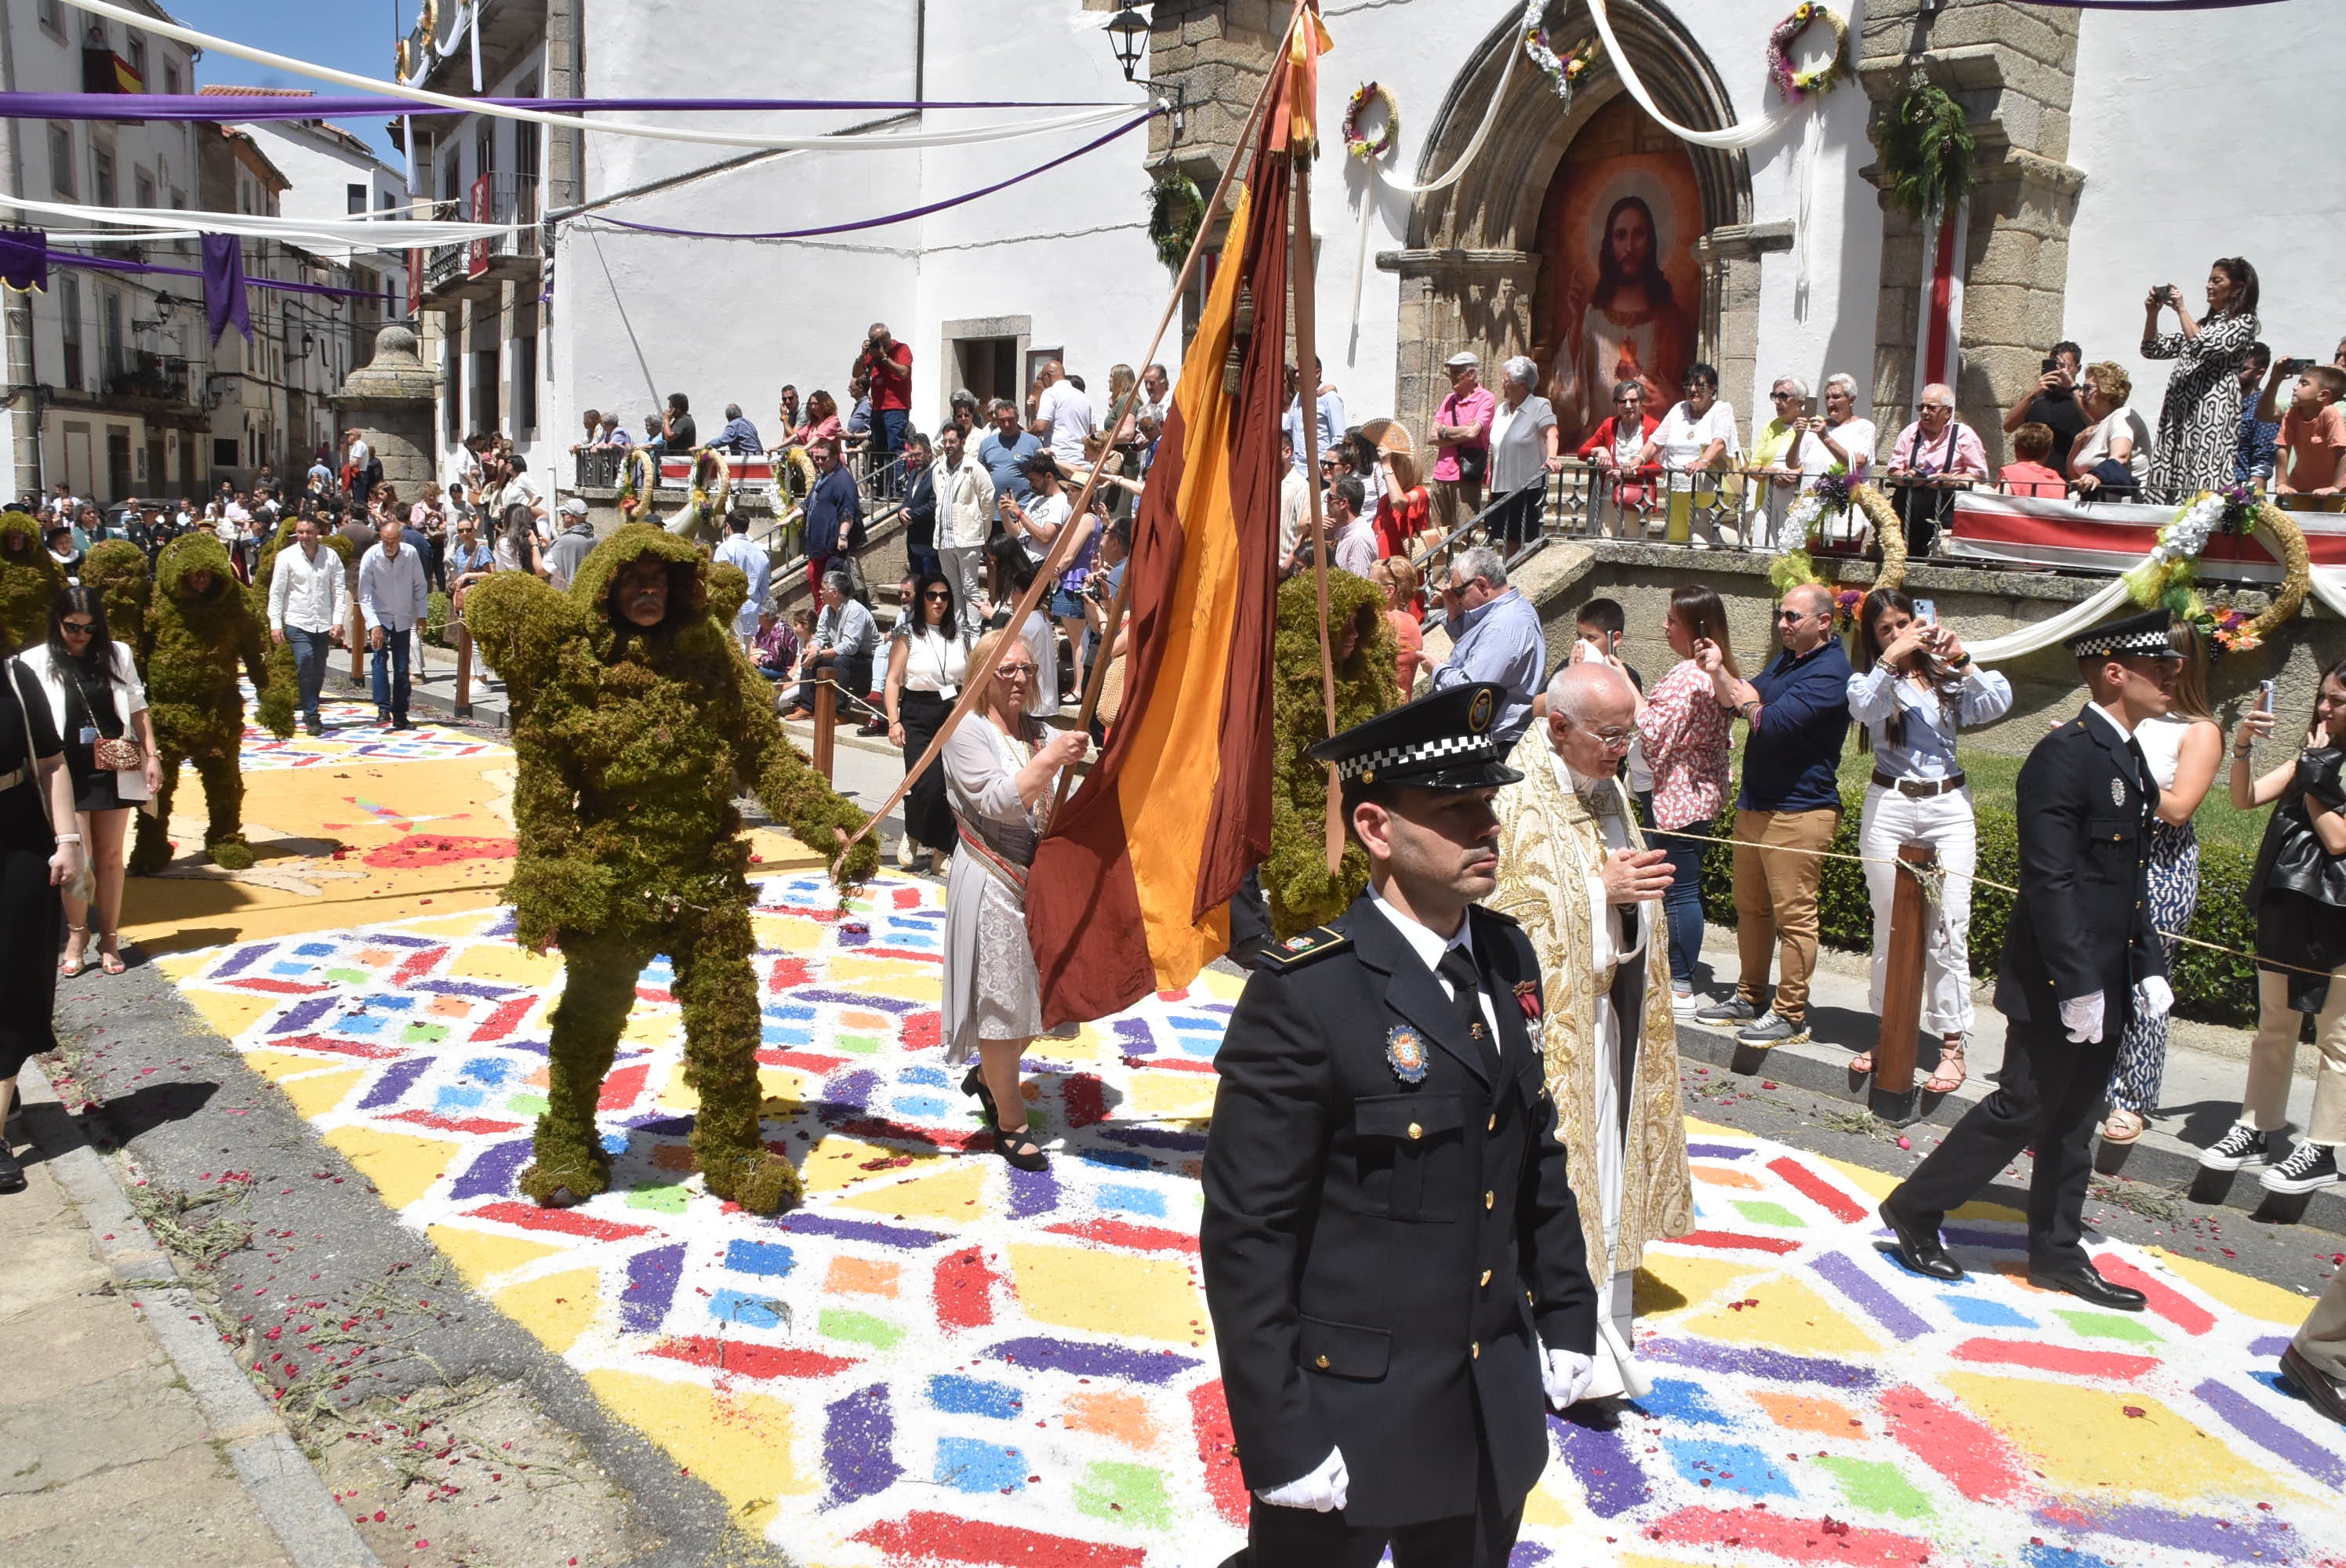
x,y
635,723
203,627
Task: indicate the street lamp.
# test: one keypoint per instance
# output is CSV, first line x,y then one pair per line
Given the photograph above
x,y
1127,32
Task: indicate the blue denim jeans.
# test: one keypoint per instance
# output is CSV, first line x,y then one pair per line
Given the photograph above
x,y
390,670
1682,902
311,652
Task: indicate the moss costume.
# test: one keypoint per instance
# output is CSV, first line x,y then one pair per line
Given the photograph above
x,y
199,638
116,570
29,579
1303,894
631,745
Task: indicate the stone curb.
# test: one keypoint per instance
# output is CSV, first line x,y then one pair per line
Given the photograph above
x,y
2156,1157
308,1522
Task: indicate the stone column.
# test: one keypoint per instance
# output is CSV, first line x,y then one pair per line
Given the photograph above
x,y
2013,67
391,398
1453,300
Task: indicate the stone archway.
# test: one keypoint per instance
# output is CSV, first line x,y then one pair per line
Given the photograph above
x,y
1471,274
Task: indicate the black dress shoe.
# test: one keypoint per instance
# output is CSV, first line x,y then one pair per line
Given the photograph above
x,y
1919,1249
2325,1393
2084,1282
12,1174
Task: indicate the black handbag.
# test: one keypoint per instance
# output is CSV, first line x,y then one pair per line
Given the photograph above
x,y
1473,462
2291,858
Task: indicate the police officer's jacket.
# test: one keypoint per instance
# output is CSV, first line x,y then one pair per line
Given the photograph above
x,y
1385,1259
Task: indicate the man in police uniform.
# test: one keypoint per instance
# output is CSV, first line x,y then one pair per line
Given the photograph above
x,y
2082,957
1392,1252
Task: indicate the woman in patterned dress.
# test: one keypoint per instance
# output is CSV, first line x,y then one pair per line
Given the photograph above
x,y
1686,728
2183,749
2199,422
1001,772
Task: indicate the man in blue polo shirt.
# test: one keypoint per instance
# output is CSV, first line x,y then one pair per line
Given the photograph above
x,y
1798,709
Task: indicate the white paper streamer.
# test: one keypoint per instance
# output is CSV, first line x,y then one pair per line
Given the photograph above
x,y
1812,152
368,234
1729,137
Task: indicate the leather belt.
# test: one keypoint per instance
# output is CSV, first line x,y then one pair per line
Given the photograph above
x,y
1919,789
10,781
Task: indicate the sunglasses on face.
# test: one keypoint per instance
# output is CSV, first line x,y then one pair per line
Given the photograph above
x,y
1791,617
76,628
1012,671
936,594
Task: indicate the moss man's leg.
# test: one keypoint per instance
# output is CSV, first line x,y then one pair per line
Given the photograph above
x,y
598,990
152,850
718,989
223,780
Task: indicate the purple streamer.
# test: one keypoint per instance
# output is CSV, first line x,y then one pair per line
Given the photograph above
x,y
1093,145
234,106
225,305
117,264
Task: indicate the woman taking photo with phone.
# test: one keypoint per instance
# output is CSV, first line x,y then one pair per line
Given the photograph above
x,y
1914,687
1685,728
2183,747
2199,422
2299,891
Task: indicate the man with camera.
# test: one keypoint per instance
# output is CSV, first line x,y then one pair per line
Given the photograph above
x,y
2051,401
887,365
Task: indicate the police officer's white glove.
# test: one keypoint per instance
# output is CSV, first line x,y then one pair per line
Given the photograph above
x,y
2154,996
1322,1492
2082,1017
1567,1377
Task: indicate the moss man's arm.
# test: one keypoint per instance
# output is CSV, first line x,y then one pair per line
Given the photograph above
x,y
792,791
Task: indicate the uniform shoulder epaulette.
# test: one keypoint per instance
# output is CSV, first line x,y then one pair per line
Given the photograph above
x,y
1297,950
1501,916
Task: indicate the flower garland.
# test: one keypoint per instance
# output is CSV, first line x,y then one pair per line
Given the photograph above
x,y
2171,573
1816,509
1177,211
710,497
638,477
1369,147
1562,73
1798,85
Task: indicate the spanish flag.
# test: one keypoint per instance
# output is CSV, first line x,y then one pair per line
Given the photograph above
x,y
1131,883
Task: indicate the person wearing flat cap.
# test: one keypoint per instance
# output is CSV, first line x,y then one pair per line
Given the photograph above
x,y
2081,958
1391,1253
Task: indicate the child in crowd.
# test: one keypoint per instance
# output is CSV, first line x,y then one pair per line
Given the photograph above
x,y
2032,443
1602,628
2313,436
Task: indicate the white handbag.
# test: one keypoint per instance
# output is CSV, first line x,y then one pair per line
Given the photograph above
x,y
82,885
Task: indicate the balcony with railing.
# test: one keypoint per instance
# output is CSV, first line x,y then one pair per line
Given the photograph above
x,y
452,272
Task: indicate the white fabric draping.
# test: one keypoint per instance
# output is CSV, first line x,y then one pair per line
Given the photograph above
x,y
148,22
2043,634
2330,587
376,234
1729,137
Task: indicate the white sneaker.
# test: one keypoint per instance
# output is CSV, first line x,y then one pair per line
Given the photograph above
x,y
1685,1003
905,853
2309,1167
2242,1148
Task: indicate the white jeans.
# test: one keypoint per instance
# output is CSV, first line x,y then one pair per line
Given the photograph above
x,y
1945,823
966,569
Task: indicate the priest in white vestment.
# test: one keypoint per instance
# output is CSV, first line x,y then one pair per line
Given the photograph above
x,y
1573,869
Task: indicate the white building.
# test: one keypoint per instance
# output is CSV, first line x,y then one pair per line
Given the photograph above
x,y
2105,163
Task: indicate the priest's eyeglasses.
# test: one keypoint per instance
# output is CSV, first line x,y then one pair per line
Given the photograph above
x,y
1611,739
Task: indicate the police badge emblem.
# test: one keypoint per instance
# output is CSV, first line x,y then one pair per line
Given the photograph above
x,y
2117,792
1405,1049
1478,717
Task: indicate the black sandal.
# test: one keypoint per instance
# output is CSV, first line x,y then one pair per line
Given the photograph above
x,y
1032,1157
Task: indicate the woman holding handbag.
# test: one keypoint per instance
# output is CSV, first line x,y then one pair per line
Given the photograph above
x,y
36,860
97,704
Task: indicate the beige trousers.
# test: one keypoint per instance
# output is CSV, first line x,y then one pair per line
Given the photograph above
x,y
1776,903
2273,1054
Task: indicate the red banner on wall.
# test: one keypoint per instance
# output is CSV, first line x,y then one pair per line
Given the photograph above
x,y
477,261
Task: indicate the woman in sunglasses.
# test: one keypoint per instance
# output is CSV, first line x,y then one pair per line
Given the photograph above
x,y
100,708
926,659
1001,773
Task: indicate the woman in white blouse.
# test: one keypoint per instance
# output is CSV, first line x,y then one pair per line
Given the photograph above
x,y
1697,435
1844,440
927,657
1914,689
2114,452
94,696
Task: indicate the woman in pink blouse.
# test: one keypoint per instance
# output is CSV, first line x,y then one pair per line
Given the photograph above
x,y
1685,725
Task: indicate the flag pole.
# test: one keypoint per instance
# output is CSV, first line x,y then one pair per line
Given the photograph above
x,y
977,678
1303,268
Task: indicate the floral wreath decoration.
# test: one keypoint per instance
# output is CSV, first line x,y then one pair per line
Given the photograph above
x,y
2170,577
1798,85
1834,493
1563,73
710,494
638,477
1361,146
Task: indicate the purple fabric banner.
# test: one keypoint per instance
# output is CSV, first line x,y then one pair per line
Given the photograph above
x,y
224,302
24,259
289,107
908,213
57,258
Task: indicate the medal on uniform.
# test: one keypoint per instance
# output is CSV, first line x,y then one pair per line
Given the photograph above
x,y
2117,792
1527,997
1405,1049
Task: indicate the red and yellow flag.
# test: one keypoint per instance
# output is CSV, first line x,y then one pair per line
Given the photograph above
x,y
1131,884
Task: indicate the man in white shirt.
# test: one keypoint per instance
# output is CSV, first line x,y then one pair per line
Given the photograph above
x,y
394,598
1356,536
964,520
738,550
1331,414
1063,419
309,601
461,466
1294,496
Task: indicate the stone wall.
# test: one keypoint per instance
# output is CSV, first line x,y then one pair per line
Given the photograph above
x,y
1978,603
390,400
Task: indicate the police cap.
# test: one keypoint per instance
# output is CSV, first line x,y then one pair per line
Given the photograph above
x,y
1440,741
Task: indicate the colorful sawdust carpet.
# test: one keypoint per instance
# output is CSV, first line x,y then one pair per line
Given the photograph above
x,y
940,1360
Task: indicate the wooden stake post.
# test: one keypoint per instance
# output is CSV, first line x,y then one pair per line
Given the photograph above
x,y
1911,915
826,719
464,671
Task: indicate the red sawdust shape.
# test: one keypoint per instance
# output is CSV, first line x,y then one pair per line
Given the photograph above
x,y
905,1132
2165,1299
277,987
966,1290
622,1088
2104,1364
1818,1191
1085,1099
788,973
1126,1235
1210,1418
419,851
1732,1242
739,1358
925,1537
472,1126
502,1021
418,965
1750,1531
567,1221
1965,1450
806,1060
338,1047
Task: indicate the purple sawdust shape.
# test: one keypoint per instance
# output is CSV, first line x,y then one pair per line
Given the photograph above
x,y
1606,1469
1134,1032
2249,1541
1852,1279
492,1176
304,1014
242,960
1714,1151
396,1080
857,1231
1041,1353
652,1278
2267,1432
1033,1193
2268,1345
859,1436
852,1087
1157,1137
854,999
480,991
387,940
1776,1366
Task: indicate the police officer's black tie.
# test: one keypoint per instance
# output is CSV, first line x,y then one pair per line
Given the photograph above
x,y
1466,996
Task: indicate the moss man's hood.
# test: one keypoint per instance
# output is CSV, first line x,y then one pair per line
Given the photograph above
x,y
185,557
688,580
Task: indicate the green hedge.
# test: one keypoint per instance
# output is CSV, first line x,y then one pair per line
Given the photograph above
x,y
435,622
2212,986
